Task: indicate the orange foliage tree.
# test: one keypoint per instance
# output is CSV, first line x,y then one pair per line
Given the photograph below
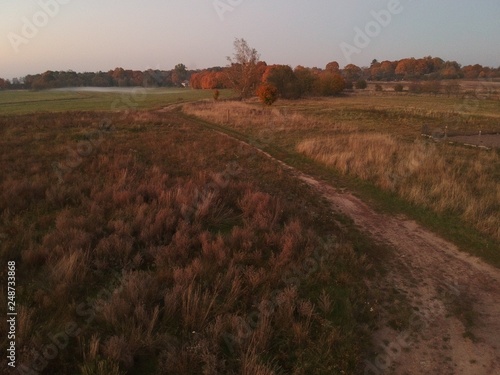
x,y
267,93
329,84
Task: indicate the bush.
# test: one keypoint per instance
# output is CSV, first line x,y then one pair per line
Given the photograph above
x,y
361,84
398,87
267,93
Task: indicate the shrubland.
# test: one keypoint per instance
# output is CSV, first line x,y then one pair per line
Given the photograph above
x,y
169,248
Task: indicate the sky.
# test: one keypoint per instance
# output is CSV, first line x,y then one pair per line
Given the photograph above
x,y
100,35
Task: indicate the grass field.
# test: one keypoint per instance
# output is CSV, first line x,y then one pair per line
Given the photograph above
x,y
21,102
372,143
147,243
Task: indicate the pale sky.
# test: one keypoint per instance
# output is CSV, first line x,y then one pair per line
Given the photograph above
x,y
93,35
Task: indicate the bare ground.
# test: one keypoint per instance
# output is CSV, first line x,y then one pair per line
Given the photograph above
x,y
455,324
441,284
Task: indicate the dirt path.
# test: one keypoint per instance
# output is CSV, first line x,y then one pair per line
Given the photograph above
x,y
455,324
437,280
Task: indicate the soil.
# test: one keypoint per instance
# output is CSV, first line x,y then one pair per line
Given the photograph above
x,y
437,280
455,324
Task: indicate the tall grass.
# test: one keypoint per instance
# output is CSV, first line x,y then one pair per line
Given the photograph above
x,y
378,139
162,262
267,121
441,177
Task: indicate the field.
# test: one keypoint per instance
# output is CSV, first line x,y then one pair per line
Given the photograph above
x,y
144,246
127,99
160,232
375,144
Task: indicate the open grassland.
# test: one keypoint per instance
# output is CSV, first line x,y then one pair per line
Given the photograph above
x,y
22,102
145,244
446,179
373,144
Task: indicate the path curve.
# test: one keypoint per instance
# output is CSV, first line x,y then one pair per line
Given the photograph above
x,y
434,276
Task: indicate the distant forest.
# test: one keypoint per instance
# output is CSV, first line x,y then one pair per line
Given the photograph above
x,y
409,69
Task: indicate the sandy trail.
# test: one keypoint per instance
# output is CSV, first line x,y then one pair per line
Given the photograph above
x,y
434,276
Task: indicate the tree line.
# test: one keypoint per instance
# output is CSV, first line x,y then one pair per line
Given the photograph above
x,y
410,69
118,77
245,72
247,75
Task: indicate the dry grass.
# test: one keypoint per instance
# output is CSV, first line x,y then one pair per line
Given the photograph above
x,y
378,139
159,256
440,177
266,124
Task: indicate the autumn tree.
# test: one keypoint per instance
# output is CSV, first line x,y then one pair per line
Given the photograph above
x,y
329,84
387,69
243,70
209,79
267,93
119,77
305,79
451,70
333,67
406,68
351,72
472,71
